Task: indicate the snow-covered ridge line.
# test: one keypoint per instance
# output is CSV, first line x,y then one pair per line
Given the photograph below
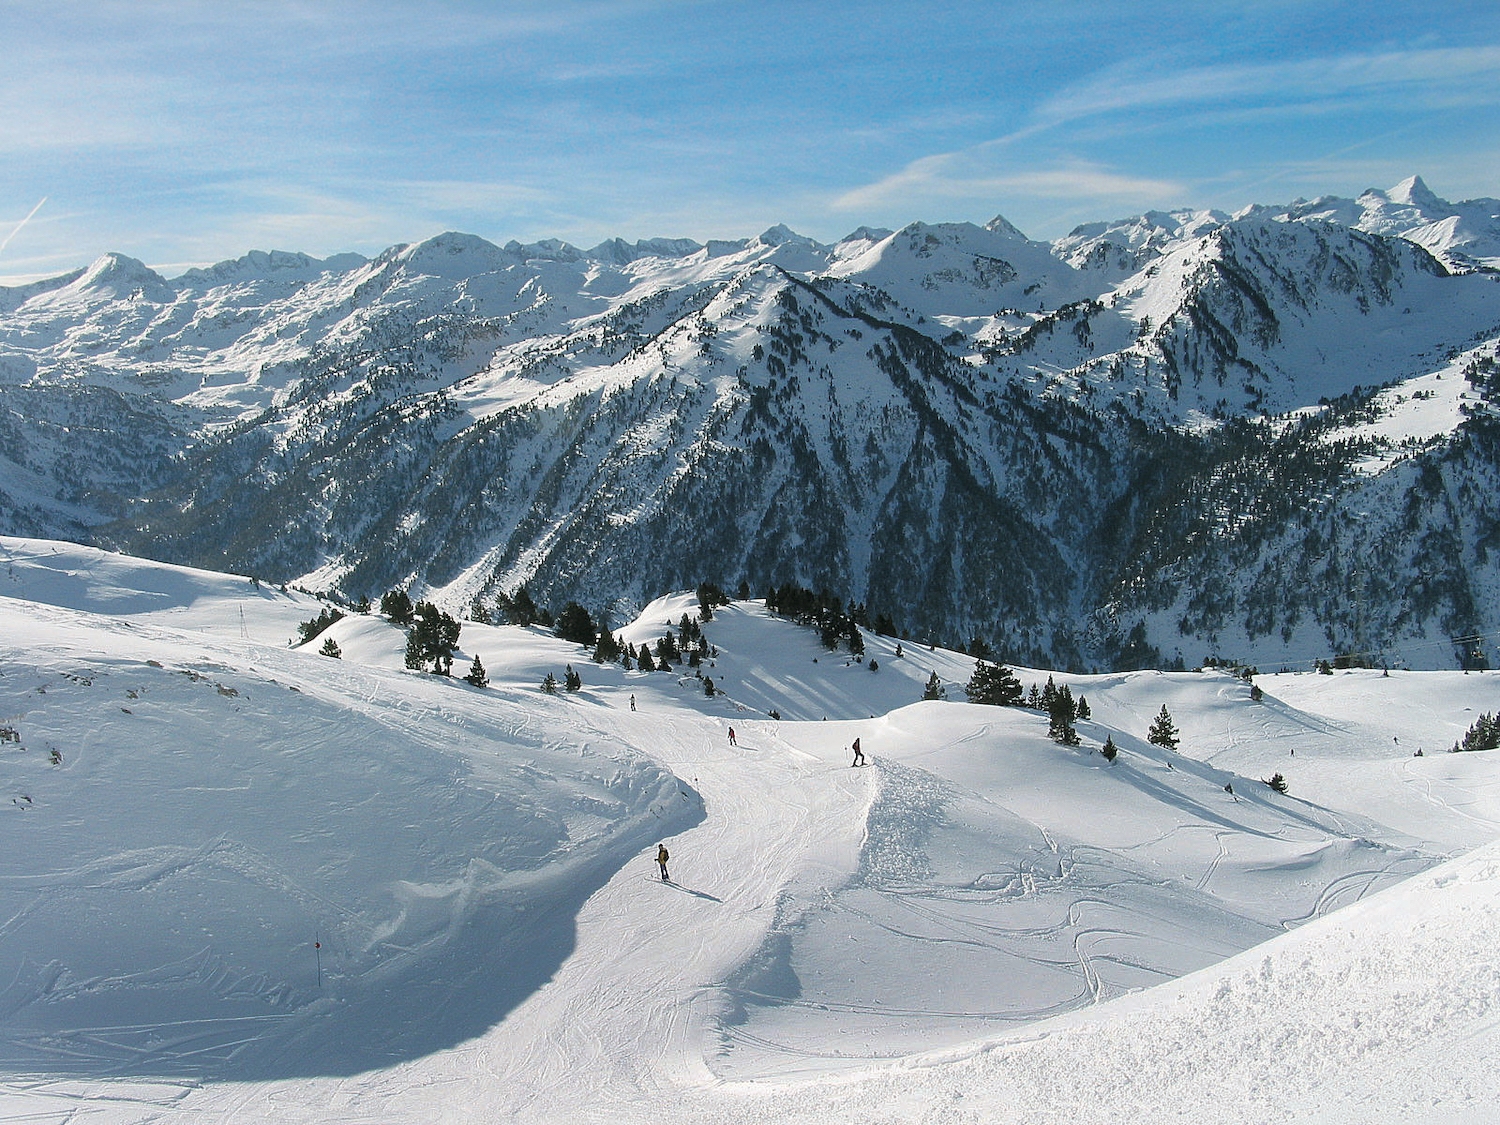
x,y
1133,445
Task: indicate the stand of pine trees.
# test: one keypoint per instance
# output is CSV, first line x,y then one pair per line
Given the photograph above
x,y
432,639
994,684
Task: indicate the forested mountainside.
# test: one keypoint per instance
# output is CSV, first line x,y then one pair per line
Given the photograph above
x,y
1269,436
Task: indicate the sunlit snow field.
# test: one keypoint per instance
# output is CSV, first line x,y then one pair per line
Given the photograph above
x,y
244,881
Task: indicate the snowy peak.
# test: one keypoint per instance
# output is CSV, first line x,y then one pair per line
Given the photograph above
x,y
964,270
1417,194
454,257
783,235
1115,250
1002,226
1460,234
118,277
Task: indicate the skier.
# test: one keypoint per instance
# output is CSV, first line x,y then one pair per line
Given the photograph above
x,y
732,742
632,703
661,861
859,755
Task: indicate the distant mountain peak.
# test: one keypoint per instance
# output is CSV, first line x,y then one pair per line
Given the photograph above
x,y
783,235
1002,226
122,276
1416,193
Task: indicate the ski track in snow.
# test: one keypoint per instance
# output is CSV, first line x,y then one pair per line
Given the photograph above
x,y
979,925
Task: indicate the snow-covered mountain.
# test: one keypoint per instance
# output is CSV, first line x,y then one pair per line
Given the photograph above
x,y
1269,436
244,880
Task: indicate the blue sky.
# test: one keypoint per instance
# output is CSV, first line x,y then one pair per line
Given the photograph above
x,y
184,133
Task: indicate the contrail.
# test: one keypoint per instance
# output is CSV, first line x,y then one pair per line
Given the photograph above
x,y
21,224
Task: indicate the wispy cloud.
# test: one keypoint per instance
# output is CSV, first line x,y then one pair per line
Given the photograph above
x,y
1434,75
963,175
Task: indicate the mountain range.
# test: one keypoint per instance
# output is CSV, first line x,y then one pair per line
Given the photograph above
x,y
1266,437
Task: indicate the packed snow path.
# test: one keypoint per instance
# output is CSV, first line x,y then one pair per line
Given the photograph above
x,y
876,944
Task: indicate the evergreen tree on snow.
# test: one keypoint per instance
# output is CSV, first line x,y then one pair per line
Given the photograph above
x,y
935,689
476,675
1163,733
310,629
1060,716
608,650
396,605
1109,749
1483,735
433,637
574,624
995,684
667,652
518,608
1049,695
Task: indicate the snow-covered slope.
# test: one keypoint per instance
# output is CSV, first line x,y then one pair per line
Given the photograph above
x,y
366,893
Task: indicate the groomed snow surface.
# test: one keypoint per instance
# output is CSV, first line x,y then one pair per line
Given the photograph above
x,y
241,881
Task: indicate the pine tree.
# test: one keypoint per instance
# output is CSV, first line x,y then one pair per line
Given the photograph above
x,y
1060,717
549,684
572,680
608,650
1162,732
1049,695
935,689
518,608
1109,749
574,624
1084,714
1277,782
667,652
396,605
433,637
643,659
994,684
708,686
331,648
1483,735
477,675
310,629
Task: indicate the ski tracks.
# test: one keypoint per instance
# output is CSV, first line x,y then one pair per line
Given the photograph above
x,y
624,1021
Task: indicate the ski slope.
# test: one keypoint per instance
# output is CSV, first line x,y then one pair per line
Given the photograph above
x,y
260,884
